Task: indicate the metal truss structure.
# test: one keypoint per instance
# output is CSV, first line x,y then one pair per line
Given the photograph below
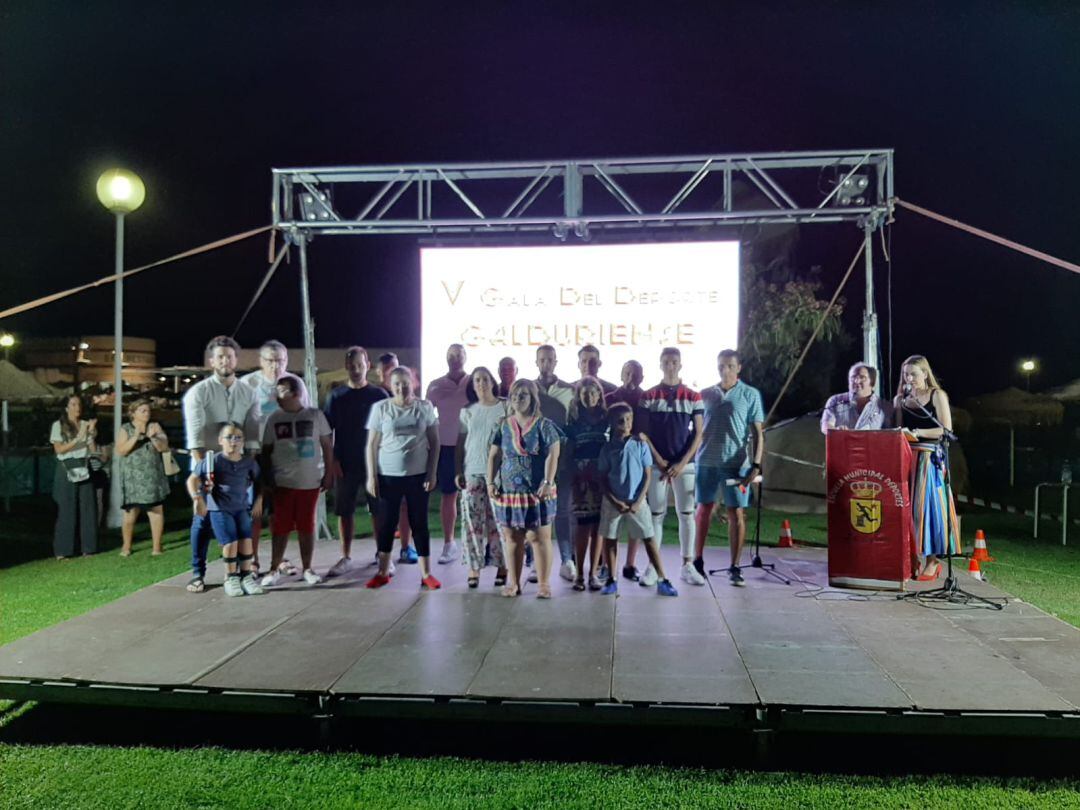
x,y
586,197
582,196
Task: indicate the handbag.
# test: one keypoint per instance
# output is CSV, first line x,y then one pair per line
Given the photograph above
x,y
76,469
169,461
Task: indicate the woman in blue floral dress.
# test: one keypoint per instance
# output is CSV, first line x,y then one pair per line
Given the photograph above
x,y
525,451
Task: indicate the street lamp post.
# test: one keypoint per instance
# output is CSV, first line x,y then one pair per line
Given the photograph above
x,y
1029,367
121,192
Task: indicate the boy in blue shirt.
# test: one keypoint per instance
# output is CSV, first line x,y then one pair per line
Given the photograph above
x,y
219,486
625,467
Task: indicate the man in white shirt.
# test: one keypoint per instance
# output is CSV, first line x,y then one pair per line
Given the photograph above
x,y
447,394
273,365
207,405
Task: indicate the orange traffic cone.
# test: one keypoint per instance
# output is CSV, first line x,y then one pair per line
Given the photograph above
x,y
981,554
785,536
973,569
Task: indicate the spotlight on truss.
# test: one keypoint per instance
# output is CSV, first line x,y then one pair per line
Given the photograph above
x,y
316,206
852,191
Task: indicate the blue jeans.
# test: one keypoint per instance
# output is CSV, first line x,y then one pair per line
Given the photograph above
x,y
200,543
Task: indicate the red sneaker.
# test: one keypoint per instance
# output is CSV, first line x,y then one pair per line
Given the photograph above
x,y
378,581
429,583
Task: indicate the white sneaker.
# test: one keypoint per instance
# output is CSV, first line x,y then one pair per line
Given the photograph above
x,y
568,570
251,585
271,579
533,577
311,578
340,568
449,553
649,578
233,586
691,575
390,571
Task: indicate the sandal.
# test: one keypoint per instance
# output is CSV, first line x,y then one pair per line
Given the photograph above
x,y
543,592
500,578
287,569
474,580
510,591
579,584
196,585
126,553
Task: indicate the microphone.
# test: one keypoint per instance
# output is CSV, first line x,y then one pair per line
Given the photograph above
x,y
906,389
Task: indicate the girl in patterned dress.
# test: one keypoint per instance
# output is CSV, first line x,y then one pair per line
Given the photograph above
x,y
525,451
478,422
920,405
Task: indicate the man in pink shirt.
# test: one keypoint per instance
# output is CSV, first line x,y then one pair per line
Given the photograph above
x,y
448,395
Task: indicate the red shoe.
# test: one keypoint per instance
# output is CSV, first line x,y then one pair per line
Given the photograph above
x,y
429,583
928,576
378,581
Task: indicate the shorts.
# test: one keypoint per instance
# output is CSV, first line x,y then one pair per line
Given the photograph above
x,y
294,510
446,470
710,483
350,488
230,526
639,524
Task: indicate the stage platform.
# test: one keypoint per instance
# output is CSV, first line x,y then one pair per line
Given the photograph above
x,y
768,656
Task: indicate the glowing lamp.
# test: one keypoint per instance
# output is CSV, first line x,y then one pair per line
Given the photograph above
x,y
1028,366
120,191
7,340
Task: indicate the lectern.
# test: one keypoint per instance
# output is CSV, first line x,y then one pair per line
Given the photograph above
x,y
868,475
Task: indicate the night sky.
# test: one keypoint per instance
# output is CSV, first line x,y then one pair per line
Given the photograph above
x,y
979,100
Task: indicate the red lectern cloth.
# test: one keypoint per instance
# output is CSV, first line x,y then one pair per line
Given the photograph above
x,y
868,493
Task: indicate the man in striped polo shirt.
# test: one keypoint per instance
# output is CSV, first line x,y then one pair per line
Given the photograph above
x,y
673,414
734,415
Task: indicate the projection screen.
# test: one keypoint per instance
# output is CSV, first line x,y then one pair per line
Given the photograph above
x,y
628,300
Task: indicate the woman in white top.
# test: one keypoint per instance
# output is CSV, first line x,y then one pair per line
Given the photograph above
x,y
478,421
73,440
402,456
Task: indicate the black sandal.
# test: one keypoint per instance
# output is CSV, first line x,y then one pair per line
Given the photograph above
x,y
474,581
196,585
500,579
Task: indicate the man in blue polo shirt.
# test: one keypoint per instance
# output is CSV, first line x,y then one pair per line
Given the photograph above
x,y
733,415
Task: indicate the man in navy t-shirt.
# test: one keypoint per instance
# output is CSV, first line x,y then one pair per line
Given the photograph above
x,y
347,410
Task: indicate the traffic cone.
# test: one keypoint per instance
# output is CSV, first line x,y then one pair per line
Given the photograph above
x,y
981,554
785,536
973,569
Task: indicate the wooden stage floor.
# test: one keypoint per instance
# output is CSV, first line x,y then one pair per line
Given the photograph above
x,y
339,647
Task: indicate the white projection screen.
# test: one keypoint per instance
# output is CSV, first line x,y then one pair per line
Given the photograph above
x,y
628,300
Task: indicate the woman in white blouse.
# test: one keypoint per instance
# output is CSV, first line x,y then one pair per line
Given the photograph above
x,y
73,439
402,456
478,421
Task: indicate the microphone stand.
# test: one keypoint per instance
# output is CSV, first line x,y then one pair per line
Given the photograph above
x,y
951,590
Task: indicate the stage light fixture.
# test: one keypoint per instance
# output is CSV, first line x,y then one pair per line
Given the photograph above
x,y
316,207
852,191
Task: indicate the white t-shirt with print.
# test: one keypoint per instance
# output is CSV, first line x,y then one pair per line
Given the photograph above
x,y
477,424
297,459
403,444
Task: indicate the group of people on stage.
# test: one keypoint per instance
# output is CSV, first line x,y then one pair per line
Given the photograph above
x,y
520,457
921,410
523,459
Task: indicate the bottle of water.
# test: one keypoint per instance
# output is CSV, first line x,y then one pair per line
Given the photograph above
x,y
1066,472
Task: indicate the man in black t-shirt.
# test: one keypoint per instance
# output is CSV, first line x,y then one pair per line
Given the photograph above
x,y
347,410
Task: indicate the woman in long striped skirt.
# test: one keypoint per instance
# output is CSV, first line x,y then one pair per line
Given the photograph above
x,y
920,402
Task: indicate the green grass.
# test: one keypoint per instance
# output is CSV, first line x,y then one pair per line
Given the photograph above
x,y
89,777
42,592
